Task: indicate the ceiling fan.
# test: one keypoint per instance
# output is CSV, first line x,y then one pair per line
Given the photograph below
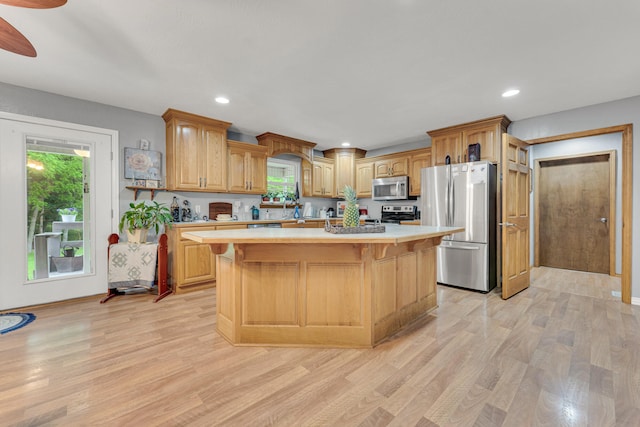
x,y
12,39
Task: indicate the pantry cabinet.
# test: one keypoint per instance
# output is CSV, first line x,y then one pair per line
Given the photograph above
x,y
247,168
454,141
345,167
322,182
196,152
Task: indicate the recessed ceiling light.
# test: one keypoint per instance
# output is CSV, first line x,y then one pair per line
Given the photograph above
x,y
510,92
222,100
346,144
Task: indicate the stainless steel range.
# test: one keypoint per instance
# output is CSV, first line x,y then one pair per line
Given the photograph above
x,y
393,214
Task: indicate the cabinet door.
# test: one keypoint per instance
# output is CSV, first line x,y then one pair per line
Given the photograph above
x,y
322,178
382,168
329,182
418,161
307,178
187,157
364,176
317,189
237,171
399,166
446,145
214,158
345,172
198,263
487,137
257,177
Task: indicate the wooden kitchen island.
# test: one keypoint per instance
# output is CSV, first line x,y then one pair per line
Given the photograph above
x,y
308,287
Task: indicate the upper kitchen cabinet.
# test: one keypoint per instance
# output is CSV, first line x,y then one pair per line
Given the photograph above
x,y
391,165
196,152
364,176
454,141
418,160
345,167
247,168
322,179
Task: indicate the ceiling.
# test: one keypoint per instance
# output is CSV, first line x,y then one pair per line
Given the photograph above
x,y
372,72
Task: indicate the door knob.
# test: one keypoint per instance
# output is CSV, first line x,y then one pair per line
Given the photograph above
x,y
603,220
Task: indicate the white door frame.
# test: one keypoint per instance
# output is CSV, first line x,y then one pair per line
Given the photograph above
x,y
11,256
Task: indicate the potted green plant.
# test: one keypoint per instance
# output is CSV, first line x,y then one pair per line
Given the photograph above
x,y
68,214
139,218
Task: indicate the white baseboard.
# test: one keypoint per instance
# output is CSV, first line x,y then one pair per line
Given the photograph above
x,y
635,301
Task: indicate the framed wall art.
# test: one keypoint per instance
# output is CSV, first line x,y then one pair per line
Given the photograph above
x,y
142,164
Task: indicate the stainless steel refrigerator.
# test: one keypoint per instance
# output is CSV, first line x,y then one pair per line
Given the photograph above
x,y
463,195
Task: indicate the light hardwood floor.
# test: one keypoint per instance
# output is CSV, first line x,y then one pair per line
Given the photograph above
x,y
564,352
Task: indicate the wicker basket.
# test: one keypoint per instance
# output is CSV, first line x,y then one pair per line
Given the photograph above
x,y
339,229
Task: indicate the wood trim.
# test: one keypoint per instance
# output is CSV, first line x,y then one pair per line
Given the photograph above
x,y
171,114
627,191
611,154
281,144
502,119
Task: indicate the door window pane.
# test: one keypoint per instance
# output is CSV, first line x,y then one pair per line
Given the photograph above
x,y
57,205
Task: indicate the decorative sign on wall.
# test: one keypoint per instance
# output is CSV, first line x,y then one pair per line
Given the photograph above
x,y
142,164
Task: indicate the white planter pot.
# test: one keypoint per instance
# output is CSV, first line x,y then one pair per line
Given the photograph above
x,y
68,218
137,235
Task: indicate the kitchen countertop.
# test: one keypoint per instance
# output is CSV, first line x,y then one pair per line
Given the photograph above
x,y
258,221
394,234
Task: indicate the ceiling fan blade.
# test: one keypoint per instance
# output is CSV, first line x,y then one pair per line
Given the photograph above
x,y
35,4
13,40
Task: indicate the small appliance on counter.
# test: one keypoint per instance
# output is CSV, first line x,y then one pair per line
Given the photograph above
x,y
307,212
394,214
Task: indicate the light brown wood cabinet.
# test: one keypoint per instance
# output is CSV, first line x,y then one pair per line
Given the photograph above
x,y
191,265
322,182
345,167
247,168
419,159
454,141
364,176
391,165
196,152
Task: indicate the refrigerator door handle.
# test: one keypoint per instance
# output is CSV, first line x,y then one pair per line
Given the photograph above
x,y
453,203
465,247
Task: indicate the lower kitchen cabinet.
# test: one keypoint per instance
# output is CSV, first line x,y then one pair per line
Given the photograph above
x,y
192,265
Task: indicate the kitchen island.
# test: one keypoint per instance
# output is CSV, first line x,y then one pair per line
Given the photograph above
x,y
308,287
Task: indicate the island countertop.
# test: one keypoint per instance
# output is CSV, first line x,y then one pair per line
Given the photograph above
x,y
393,234
309,287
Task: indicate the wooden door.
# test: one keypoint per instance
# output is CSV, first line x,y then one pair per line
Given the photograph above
x,y
515,215
574,199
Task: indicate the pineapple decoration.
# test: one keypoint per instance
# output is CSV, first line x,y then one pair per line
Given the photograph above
x,y
351,215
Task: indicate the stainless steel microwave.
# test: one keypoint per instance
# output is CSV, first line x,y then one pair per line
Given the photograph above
x,y
392,188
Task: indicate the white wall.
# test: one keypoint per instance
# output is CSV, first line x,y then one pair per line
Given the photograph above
x,y
625,111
